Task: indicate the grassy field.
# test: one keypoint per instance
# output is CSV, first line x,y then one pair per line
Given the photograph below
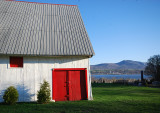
x,y
108,98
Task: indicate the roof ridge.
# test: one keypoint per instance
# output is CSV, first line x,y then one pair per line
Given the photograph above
x,y
40,3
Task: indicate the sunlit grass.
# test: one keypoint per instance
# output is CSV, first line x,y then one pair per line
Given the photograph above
x,y
108,98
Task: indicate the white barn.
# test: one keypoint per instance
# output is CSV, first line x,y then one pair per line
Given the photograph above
x,y
44,41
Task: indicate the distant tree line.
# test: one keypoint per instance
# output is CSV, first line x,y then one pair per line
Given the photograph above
x,y
115,72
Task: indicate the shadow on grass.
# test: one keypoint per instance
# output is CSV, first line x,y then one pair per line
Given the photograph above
x,y
82,106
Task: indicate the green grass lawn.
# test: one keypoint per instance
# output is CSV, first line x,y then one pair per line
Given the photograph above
x,y
108,98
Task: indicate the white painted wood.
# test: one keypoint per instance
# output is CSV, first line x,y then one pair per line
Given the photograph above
x,y
35,69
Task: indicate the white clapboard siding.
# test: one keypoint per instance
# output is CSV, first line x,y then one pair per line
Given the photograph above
x,y
35,69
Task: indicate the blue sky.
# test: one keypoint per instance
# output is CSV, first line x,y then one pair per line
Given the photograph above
x,y
119,29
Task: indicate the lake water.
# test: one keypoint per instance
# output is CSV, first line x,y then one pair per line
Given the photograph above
x,y
120,76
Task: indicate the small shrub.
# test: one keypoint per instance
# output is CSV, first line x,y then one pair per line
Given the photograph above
x,y
44,93
11,95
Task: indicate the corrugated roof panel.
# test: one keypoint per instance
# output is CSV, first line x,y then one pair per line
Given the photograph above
x,y
4,6
42,29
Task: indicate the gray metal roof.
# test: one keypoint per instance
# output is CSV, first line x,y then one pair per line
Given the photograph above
x,y
42,29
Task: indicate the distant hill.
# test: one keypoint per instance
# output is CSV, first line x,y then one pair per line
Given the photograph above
x,y
123,65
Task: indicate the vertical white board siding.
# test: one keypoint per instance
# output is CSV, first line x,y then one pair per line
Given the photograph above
x,y
29,78
36,69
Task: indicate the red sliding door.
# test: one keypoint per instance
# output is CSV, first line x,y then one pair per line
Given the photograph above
x,y
70,84
60,86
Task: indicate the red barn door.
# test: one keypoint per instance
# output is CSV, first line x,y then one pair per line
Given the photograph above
x,y
60,86
69,84
77,89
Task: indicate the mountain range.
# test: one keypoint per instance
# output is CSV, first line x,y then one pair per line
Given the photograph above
x,y
123,65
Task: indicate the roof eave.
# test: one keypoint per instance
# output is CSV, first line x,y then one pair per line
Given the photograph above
x,y
27,55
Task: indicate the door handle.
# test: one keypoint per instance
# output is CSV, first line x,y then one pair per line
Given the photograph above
x,y
67,96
